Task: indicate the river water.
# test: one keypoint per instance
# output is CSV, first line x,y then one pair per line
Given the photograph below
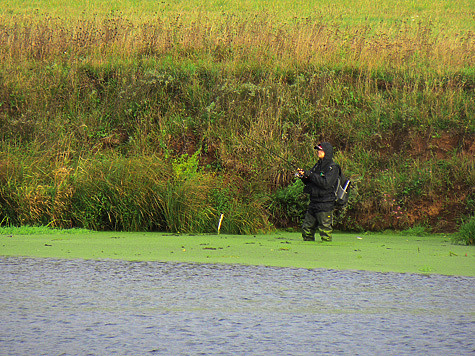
x,y
83,307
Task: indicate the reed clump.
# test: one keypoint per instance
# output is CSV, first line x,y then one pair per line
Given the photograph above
x,y
111,120
118,193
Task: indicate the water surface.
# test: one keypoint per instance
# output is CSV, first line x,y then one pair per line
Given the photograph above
x,y
84,307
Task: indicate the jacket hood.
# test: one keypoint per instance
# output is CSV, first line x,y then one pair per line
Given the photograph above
x,y
328,149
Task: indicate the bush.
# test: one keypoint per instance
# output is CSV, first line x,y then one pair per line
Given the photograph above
x,y
466,234
289,204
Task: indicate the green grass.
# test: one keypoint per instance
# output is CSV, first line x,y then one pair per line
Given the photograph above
x,y
387,252
39,230
444,12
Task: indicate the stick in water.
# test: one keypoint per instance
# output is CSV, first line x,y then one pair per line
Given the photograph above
x,y
220,221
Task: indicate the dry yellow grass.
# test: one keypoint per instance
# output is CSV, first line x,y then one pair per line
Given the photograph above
x,y
375,35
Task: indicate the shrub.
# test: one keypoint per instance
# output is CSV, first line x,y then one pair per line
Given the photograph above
x,y
466,234
288,204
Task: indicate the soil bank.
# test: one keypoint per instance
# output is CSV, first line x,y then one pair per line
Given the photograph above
x,y
374,252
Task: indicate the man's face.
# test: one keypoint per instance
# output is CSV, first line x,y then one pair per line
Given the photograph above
x,y
321,154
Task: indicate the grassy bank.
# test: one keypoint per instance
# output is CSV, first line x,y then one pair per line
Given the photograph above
x,y
372,252
145,117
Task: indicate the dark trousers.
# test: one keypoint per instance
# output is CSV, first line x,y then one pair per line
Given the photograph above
x,y
322,221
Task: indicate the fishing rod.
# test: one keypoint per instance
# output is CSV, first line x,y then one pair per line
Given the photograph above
x,y
289,163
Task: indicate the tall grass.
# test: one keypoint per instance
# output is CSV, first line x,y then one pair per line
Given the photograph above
x,y
146,117
111,192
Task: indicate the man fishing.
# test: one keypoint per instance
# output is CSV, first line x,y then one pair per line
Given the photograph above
x,y
320,183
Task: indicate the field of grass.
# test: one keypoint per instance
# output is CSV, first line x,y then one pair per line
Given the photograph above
x,y
457,15
143,116
387,252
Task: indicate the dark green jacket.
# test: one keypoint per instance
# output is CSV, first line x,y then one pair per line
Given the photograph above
x,y
320,181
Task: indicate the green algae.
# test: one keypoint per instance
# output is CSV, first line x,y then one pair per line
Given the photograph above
x,y
388,252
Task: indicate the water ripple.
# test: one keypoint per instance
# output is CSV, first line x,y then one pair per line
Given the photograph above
x,y
80,307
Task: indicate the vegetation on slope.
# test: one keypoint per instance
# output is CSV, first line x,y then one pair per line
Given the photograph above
x,y
146,118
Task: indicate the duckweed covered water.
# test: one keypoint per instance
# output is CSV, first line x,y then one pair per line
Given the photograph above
x,y
90,307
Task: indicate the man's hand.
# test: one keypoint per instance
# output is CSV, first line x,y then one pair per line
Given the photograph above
x,y
300,173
